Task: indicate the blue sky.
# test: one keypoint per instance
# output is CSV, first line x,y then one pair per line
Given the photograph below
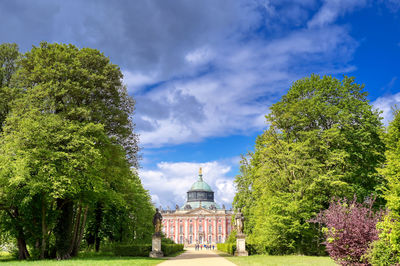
x,y
204,73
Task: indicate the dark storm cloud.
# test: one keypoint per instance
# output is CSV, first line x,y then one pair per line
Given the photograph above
x,y
27,22
177,105
139,35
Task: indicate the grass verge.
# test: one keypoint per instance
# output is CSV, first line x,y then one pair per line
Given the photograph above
x,y
267,260
86,258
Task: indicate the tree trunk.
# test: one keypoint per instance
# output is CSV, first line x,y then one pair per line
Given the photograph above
x,y
98,217
63,230
76,227
23,253
78,241
44,229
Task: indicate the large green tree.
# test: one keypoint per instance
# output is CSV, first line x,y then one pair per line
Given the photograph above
x,y
323,140
67,149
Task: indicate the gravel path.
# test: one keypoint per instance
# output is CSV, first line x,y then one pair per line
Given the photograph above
x,y
194,257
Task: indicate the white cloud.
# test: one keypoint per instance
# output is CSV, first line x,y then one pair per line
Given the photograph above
x,y
386,104
236,95
170,181
332,9
136,80
199,56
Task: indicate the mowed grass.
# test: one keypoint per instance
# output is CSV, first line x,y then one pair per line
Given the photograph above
x,y
281,260
85,259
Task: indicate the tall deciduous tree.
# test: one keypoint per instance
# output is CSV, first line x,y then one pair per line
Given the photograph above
x,y
323,140
68,146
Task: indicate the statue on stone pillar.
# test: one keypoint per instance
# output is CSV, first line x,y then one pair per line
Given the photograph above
x,y
156,251
239,222
240,237
157,223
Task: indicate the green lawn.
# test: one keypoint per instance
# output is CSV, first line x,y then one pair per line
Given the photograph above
x,y
85,259
281,260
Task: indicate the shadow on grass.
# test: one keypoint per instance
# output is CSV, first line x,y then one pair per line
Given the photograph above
x,y
86,256
223,254
94,256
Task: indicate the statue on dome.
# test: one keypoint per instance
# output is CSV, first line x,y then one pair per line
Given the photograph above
x,y
239,221
157,223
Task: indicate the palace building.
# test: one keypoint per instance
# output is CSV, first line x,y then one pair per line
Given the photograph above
x,y
200,220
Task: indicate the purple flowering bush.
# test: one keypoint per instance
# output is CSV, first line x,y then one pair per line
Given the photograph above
x,y
350,228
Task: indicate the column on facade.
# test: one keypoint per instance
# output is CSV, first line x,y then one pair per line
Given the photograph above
x,y
224,230
195,229
205,229
215,229
186,236
176,230
167,228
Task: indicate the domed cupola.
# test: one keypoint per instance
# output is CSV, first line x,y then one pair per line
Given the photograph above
x,y
200,194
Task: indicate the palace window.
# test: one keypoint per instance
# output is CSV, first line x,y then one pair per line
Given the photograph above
x,y
200,228
181,229
219,229
190,240
181,240
210,228
171,230
219,239
191,229
209,239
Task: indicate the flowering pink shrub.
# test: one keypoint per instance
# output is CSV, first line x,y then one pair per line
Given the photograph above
x,y
350,229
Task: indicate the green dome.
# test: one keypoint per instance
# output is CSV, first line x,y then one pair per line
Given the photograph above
x,y
201,185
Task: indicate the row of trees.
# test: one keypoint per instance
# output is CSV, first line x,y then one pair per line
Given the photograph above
x,y
68,152
324,140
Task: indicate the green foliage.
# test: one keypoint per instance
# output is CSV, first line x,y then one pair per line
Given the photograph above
x,y
9,55
386,251
67,152
323,140
232,237
229,248
166,240
170,249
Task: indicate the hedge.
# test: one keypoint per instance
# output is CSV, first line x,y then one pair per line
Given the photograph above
x,y
169,249
143,250
227,247
231,248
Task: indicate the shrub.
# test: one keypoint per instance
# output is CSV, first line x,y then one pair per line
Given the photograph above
x,y
386,251
350,229
227,247
169,249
